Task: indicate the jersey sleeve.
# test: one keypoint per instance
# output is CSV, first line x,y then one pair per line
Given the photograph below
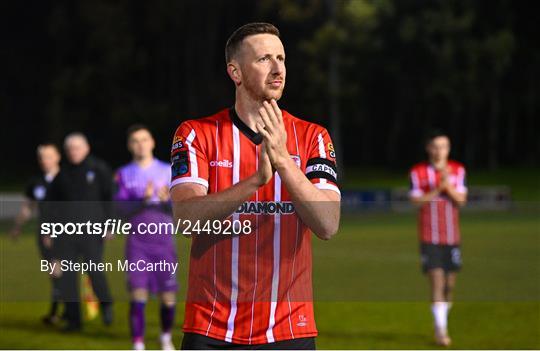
x,y
29,191
321,167
415,190
122,192
461,182
189,163
125,205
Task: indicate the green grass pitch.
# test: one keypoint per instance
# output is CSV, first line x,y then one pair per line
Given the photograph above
x,y
369,291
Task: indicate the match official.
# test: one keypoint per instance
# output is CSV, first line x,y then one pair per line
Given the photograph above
x,y
82,191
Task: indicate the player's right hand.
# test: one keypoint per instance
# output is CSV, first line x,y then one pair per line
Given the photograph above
x,y
444,180
57,271
47,241
149,191
265,171
163,194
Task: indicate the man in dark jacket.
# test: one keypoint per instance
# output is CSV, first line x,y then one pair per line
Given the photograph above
x,y
81,192
36,191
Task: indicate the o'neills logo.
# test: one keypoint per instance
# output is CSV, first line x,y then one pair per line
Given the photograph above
x,y
266,207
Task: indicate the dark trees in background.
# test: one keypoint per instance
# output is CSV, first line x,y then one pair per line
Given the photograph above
x,y
401,67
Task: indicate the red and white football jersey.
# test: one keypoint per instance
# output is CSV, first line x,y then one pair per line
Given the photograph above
x,y
438,220
254,288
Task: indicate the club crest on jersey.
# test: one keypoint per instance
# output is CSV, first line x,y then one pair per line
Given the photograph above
x,y
297,160
90,176
302,321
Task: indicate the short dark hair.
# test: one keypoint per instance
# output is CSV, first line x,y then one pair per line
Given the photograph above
x,y
135,128
435,133
47,144
234,41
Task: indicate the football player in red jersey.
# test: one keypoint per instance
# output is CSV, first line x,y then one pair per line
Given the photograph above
x,y
262,168
438,188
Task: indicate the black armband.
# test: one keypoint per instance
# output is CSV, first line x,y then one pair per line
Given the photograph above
x,y
321,168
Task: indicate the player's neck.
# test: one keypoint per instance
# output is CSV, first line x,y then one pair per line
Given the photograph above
x,y
439,164
144,162
247,110
52,172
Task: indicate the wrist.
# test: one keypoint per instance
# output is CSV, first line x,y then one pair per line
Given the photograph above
x,y
284,162
255,181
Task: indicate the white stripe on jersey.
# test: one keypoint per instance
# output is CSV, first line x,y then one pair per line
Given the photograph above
x,y
327,187
217,155
296,139
200,181
415,191
275,272
256,251
449,223
292,276
234,240
214,265
322,154
460,186
192,154
434,218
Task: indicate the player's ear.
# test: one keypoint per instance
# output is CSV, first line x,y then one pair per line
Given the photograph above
x,y
234,72
428,148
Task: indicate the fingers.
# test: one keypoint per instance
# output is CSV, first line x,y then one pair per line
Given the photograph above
x,y
272,111
267,121
263,155
277,111
261,130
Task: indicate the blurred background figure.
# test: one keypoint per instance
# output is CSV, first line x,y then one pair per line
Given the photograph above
x,y
82,192
438,187
48,157
143,197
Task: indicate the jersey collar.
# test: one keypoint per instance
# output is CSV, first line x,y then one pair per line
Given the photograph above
x,y
255,137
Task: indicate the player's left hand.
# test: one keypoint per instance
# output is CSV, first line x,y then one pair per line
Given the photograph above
x,y
444,180
274,134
